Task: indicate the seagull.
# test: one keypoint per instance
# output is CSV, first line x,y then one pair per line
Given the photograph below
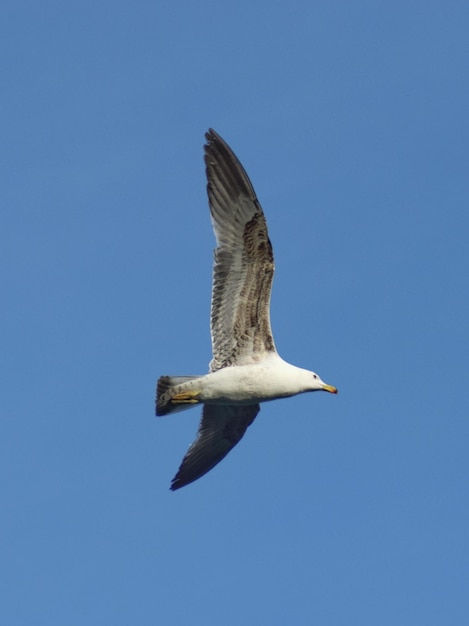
x,y
245,369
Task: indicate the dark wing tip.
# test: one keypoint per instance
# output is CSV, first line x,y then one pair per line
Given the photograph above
x,y
211,134
225,174
176,484
213,140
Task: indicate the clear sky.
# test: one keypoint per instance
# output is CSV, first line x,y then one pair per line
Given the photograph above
x,y
351,119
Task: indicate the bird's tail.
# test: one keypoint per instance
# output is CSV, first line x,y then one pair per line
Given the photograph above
x,y
176,393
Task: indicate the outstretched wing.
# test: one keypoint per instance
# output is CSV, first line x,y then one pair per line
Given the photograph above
x,y
221,427
244,263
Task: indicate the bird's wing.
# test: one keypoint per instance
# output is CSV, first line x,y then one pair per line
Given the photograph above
x,y
244,263
221,427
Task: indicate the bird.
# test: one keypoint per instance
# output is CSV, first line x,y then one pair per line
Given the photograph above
x,y
246,368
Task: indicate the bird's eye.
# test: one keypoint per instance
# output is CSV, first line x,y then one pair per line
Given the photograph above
x,y
315,375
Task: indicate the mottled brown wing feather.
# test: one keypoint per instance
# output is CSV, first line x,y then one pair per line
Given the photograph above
x,y
221,427
244,263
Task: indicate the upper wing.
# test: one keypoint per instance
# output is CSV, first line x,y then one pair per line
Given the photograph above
x,y
244,263
221,427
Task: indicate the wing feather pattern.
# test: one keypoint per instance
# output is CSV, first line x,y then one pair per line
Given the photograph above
x,y
221,427
243,265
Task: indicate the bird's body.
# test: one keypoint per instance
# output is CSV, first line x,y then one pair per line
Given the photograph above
x,y
269,379
245,369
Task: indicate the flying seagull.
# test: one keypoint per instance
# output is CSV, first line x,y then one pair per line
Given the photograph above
x,y
246,368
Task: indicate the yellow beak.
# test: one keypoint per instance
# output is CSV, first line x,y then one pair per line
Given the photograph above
x,y
330,389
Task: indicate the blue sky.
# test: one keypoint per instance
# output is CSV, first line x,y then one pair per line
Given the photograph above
x,y
351,120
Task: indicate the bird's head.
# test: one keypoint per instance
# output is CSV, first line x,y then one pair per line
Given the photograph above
x,y
316,384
